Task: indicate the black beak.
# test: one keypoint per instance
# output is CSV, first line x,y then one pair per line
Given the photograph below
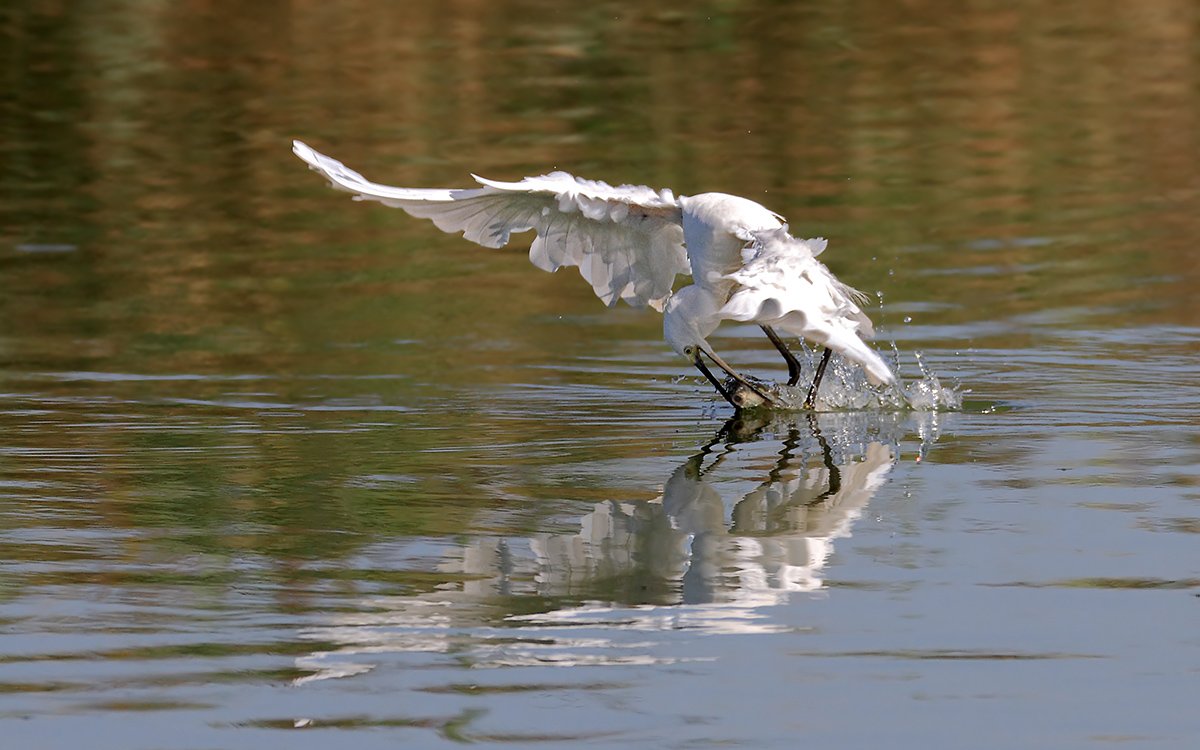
x,y
698,361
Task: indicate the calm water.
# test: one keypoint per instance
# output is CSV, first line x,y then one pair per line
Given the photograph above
x,y
282,470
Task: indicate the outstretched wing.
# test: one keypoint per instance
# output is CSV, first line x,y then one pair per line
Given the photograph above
x,y
782,284
627,241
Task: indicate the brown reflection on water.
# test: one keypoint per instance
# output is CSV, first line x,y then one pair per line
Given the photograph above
x,y
995,160
1033,156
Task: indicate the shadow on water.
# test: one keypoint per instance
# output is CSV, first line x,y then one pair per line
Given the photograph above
x,y
710,554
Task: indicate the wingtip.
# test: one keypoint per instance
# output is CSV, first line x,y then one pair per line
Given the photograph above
x,y
492,183
878,372
305,152
876,380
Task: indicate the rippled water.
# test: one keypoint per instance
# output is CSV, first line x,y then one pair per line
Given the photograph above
x,y
280,469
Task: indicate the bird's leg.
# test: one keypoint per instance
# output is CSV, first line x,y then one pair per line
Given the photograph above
x,y
733,374
812,391
792,363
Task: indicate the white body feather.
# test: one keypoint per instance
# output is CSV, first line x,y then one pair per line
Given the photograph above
x,y
783,285
630,242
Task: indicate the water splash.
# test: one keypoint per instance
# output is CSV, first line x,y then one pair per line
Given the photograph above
x,y
845,388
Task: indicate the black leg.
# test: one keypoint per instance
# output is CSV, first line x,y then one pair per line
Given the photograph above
x,y
792,363
812,392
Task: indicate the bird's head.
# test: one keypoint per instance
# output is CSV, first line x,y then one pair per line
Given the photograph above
x,y
689,316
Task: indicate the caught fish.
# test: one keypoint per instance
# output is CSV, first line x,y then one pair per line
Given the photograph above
x,y
783,397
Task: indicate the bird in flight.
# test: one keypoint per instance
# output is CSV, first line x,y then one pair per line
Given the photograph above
x,y
630,242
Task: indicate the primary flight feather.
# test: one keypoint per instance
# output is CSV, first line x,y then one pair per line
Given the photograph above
x,y
630,242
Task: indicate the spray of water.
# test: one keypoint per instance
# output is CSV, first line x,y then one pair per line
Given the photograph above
x,y
845,388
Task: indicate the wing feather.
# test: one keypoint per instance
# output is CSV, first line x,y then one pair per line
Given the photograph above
x,y
783,284
627,241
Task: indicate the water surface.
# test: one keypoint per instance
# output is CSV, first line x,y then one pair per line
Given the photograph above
x,y
280,469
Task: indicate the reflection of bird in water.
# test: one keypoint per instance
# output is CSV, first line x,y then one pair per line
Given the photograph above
x,y
698,542
780,533
724,562
630,242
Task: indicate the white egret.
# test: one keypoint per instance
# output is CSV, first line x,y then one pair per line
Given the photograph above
x,y
630,242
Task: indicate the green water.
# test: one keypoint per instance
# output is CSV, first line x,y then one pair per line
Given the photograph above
x,y
282,469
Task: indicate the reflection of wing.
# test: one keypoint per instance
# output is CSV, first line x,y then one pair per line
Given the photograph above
x,y
627,241
667,564
797,517
813,501
783,284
